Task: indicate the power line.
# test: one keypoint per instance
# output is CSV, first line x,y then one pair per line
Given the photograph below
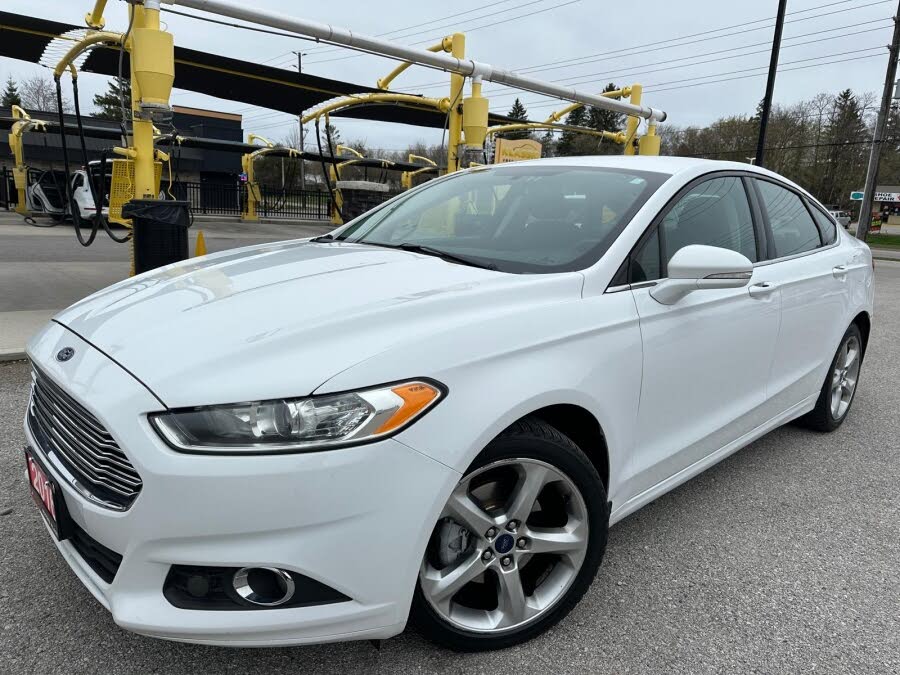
x,y
629,74
649,88
691,59
471,29
660,45
443,18
322,50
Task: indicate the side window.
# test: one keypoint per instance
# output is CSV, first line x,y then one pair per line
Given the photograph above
x,y
793,229
645,260
826,225
714,213
78,182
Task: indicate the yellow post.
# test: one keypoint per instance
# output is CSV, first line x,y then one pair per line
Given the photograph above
x,y
152,74
250,206
631,126
20,171
454,124
23,124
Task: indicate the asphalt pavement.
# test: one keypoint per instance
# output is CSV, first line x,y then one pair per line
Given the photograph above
x,y
784,558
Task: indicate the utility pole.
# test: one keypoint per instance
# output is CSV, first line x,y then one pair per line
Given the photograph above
x,y
300,125
865,210
770,85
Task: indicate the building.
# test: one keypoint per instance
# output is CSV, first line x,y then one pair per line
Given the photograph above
x,y
887,203
43,151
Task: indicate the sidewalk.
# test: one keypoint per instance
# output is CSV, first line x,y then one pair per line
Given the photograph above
x,y
44,269
16,328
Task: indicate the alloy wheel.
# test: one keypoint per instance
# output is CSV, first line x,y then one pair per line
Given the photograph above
x,y
844,376
508,545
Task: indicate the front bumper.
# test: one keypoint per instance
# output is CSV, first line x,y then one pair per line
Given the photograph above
x,y
356,519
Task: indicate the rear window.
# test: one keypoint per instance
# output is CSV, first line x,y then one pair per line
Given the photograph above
x,y
826,225
793,228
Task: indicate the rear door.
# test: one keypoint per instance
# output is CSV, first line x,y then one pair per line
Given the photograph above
x,y
803,258
706,358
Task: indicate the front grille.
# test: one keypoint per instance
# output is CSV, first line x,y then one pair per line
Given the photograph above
x,y
104,561
62,426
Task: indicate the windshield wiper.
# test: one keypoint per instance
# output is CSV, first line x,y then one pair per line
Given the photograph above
x,y
436,252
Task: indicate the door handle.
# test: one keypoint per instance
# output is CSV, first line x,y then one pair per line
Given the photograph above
x,y
762,289
839,272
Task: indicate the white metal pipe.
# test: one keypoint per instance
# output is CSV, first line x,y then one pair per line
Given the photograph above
x,y
466,67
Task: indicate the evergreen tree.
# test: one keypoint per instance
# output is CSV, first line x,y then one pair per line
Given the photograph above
x,y
605,120
517,112
846,156
10,94
108,104
568,145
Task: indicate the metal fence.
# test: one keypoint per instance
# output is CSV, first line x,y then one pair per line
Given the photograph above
x,y
8,195
221,199
293,203
230,198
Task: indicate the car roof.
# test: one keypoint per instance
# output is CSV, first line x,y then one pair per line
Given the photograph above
x,y
661,164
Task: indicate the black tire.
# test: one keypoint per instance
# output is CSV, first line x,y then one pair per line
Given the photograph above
x,y
530,438
821,418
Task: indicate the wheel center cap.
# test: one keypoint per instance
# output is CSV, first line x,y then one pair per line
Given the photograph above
x,y
504,543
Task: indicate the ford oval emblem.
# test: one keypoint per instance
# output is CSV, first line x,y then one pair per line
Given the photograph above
x,y
504,544
65,354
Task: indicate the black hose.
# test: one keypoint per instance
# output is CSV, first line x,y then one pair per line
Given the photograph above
x,y
279,203
95,193
65,152
324,170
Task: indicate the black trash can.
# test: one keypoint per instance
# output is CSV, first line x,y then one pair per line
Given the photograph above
x,y
159,231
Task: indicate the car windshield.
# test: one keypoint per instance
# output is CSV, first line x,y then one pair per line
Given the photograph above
x,y
525,219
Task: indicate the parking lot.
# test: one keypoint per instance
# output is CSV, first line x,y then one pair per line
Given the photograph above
x,y
783,558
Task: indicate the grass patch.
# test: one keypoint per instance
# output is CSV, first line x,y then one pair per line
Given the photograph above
x,y
891,241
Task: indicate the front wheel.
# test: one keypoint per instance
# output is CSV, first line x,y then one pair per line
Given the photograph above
x,y
517,544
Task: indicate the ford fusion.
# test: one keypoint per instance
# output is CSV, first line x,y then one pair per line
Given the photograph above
x,y
434,413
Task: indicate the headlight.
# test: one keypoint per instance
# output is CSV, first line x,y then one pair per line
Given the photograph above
x,y
299,424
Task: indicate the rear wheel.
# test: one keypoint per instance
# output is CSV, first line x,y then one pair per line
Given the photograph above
x,y
517,544
839,387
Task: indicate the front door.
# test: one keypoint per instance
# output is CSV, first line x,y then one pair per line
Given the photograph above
x,y
706,358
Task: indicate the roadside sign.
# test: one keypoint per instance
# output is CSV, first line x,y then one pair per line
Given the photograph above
x,y
887,197
856,196
507,150
243,177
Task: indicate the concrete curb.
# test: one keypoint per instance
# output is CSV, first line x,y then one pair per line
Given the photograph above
x,y
12,355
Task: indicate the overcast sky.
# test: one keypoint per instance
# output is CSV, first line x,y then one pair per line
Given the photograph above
x,y
828,46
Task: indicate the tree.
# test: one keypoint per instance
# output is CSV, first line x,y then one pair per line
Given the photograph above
x,y
605,120
567,141
108,105
10,94
517,112
39,93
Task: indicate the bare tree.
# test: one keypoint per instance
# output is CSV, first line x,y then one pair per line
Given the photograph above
x,y
39,93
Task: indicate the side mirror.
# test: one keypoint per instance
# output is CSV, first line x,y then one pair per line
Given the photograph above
x,y
697,267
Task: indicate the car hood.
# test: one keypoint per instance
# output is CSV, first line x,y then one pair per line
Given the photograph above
x,y
278,320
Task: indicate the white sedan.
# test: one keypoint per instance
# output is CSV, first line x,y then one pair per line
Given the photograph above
x,y
435,413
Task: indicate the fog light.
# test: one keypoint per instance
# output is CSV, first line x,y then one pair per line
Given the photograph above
x,y
245,588
266,586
